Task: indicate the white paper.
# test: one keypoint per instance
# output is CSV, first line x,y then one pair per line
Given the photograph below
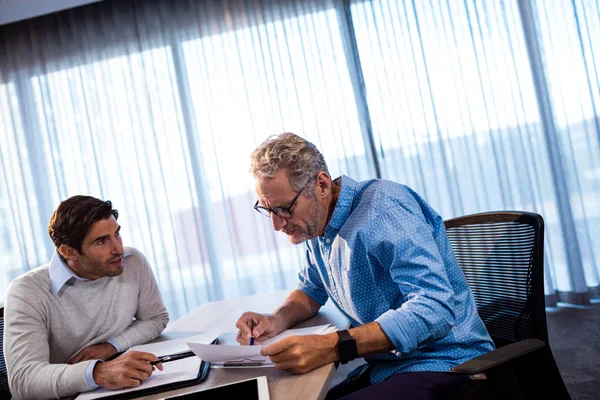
x,y
175,371
220,353
174,346
230,338
311,330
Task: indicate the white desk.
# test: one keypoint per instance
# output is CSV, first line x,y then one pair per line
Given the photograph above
x,y
222,316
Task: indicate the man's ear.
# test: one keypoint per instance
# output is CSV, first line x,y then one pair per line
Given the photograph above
x,y
68,253
323,184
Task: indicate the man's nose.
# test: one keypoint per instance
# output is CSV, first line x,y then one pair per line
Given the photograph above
x,y
117,247
278,222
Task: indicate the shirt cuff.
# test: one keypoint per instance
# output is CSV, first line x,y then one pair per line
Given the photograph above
x,y
397,328
89,374
115,345
314,294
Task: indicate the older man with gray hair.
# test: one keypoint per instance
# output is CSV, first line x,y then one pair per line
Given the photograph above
x,y
381,254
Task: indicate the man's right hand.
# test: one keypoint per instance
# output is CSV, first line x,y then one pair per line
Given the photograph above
x,y
100,351
127,370
261,326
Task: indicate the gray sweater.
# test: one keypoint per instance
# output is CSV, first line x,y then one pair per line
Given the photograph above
x,y
42,331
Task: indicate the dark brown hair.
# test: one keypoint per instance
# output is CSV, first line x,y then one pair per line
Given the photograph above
x,y
74,217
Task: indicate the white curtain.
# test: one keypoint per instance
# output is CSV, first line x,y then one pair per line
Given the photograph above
x,y
494,105
156,105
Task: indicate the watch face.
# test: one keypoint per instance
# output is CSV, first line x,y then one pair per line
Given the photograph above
x,y
346,347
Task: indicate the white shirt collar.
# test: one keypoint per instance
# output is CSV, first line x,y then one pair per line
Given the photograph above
x,y
60,273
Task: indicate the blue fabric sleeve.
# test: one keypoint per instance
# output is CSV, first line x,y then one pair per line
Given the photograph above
x,y
89,374
402,241
115,345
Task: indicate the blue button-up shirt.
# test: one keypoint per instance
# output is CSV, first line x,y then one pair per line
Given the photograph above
x,y
385,257
60,275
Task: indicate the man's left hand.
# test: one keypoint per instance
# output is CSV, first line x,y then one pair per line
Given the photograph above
x,y
100,351
300,354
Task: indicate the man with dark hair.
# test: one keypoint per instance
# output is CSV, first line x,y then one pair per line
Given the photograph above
x,y
95,298
380,253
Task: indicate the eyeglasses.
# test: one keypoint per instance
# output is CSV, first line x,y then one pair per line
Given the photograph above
x,y
281,212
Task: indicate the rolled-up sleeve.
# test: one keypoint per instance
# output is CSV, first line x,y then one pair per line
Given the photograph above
x,y
402,241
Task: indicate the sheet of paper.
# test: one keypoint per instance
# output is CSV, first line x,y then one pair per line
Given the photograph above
x,y
229,338
331,329
174,346
311,330
230,350
222,353
221,365
176,371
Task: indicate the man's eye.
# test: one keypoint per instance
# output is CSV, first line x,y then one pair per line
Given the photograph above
x,y
100,242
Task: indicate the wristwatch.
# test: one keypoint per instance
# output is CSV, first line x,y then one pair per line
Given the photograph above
x,y
346,346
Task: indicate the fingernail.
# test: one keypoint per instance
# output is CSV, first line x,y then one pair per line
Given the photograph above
x,y
256,333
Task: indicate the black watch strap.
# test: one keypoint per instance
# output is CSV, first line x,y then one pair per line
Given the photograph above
x,y
346,346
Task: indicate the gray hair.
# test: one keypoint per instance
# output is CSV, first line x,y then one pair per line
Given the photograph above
x,y
299,157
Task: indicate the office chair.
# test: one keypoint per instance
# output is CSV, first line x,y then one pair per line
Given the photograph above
x,y
502,257
4,389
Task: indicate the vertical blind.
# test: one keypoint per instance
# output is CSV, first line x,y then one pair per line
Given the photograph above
x,y
157,105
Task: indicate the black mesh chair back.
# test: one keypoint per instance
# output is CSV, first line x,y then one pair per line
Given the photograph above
x,y
4,389
502,257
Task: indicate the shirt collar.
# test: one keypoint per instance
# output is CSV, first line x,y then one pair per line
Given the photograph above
x,y
343,206
60,273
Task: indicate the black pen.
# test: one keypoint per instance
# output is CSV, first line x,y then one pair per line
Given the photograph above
x,y
173,357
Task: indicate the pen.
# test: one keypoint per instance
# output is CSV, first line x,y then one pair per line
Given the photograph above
x,y
173,357
161,360
242,363
252,335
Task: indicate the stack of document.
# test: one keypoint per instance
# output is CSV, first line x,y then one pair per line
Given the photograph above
x,y
228,353
178,371
224,354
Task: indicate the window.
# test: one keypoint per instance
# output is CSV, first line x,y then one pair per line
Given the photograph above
x,y
571,54
16,187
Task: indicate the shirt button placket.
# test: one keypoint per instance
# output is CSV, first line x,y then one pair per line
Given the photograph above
x,y
327,254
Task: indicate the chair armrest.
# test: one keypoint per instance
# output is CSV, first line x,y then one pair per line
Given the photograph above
x,y
498,356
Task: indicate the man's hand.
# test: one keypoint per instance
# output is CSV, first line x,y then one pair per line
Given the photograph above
x,y
300,354
127,370
261,326
100,351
